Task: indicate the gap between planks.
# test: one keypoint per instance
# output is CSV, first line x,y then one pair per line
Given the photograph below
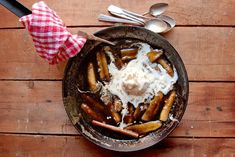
x,y
58,80
117,24
80,135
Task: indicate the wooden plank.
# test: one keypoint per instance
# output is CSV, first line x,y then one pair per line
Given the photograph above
x,y
207,53
28,106
21,62
185,12
204,128
37,107
211,101
61,146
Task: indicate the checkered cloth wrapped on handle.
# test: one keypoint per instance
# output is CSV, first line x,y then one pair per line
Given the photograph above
x,y
51,38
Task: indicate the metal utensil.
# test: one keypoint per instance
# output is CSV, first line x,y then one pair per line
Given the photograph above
x,y
93,37
170,21
124,14
157,9
113,7
108,18
155,25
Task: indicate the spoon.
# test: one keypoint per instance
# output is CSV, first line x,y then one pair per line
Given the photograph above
x,y
155,25
150,25
170,21
108,18
93,37
157,9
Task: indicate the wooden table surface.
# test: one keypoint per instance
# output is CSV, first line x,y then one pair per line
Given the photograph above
x,y
33,121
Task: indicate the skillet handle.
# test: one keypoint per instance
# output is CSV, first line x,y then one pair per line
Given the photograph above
x,y
15,7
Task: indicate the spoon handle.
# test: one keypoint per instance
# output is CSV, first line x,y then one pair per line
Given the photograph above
x,y
108,18
93,37
125,14
134,14
146,13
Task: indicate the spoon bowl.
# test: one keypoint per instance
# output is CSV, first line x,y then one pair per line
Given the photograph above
x,y
156,25
170,22
157,9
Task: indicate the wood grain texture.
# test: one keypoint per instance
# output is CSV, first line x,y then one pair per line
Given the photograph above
x,y
207,52
37,107
185,12
64,146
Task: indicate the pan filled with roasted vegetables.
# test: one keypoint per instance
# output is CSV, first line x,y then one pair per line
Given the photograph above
x,y
127,96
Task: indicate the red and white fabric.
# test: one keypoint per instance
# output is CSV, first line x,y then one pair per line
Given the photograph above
x,y
51,38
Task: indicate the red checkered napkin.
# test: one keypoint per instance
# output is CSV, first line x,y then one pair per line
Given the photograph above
x,y
51,39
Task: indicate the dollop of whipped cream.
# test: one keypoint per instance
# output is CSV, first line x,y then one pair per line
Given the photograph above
x,y
139,80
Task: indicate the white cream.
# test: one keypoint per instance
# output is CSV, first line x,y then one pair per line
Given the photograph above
x,y
139,80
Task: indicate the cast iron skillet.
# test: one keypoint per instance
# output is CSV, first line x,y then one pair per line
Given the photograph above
x,y
73,78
